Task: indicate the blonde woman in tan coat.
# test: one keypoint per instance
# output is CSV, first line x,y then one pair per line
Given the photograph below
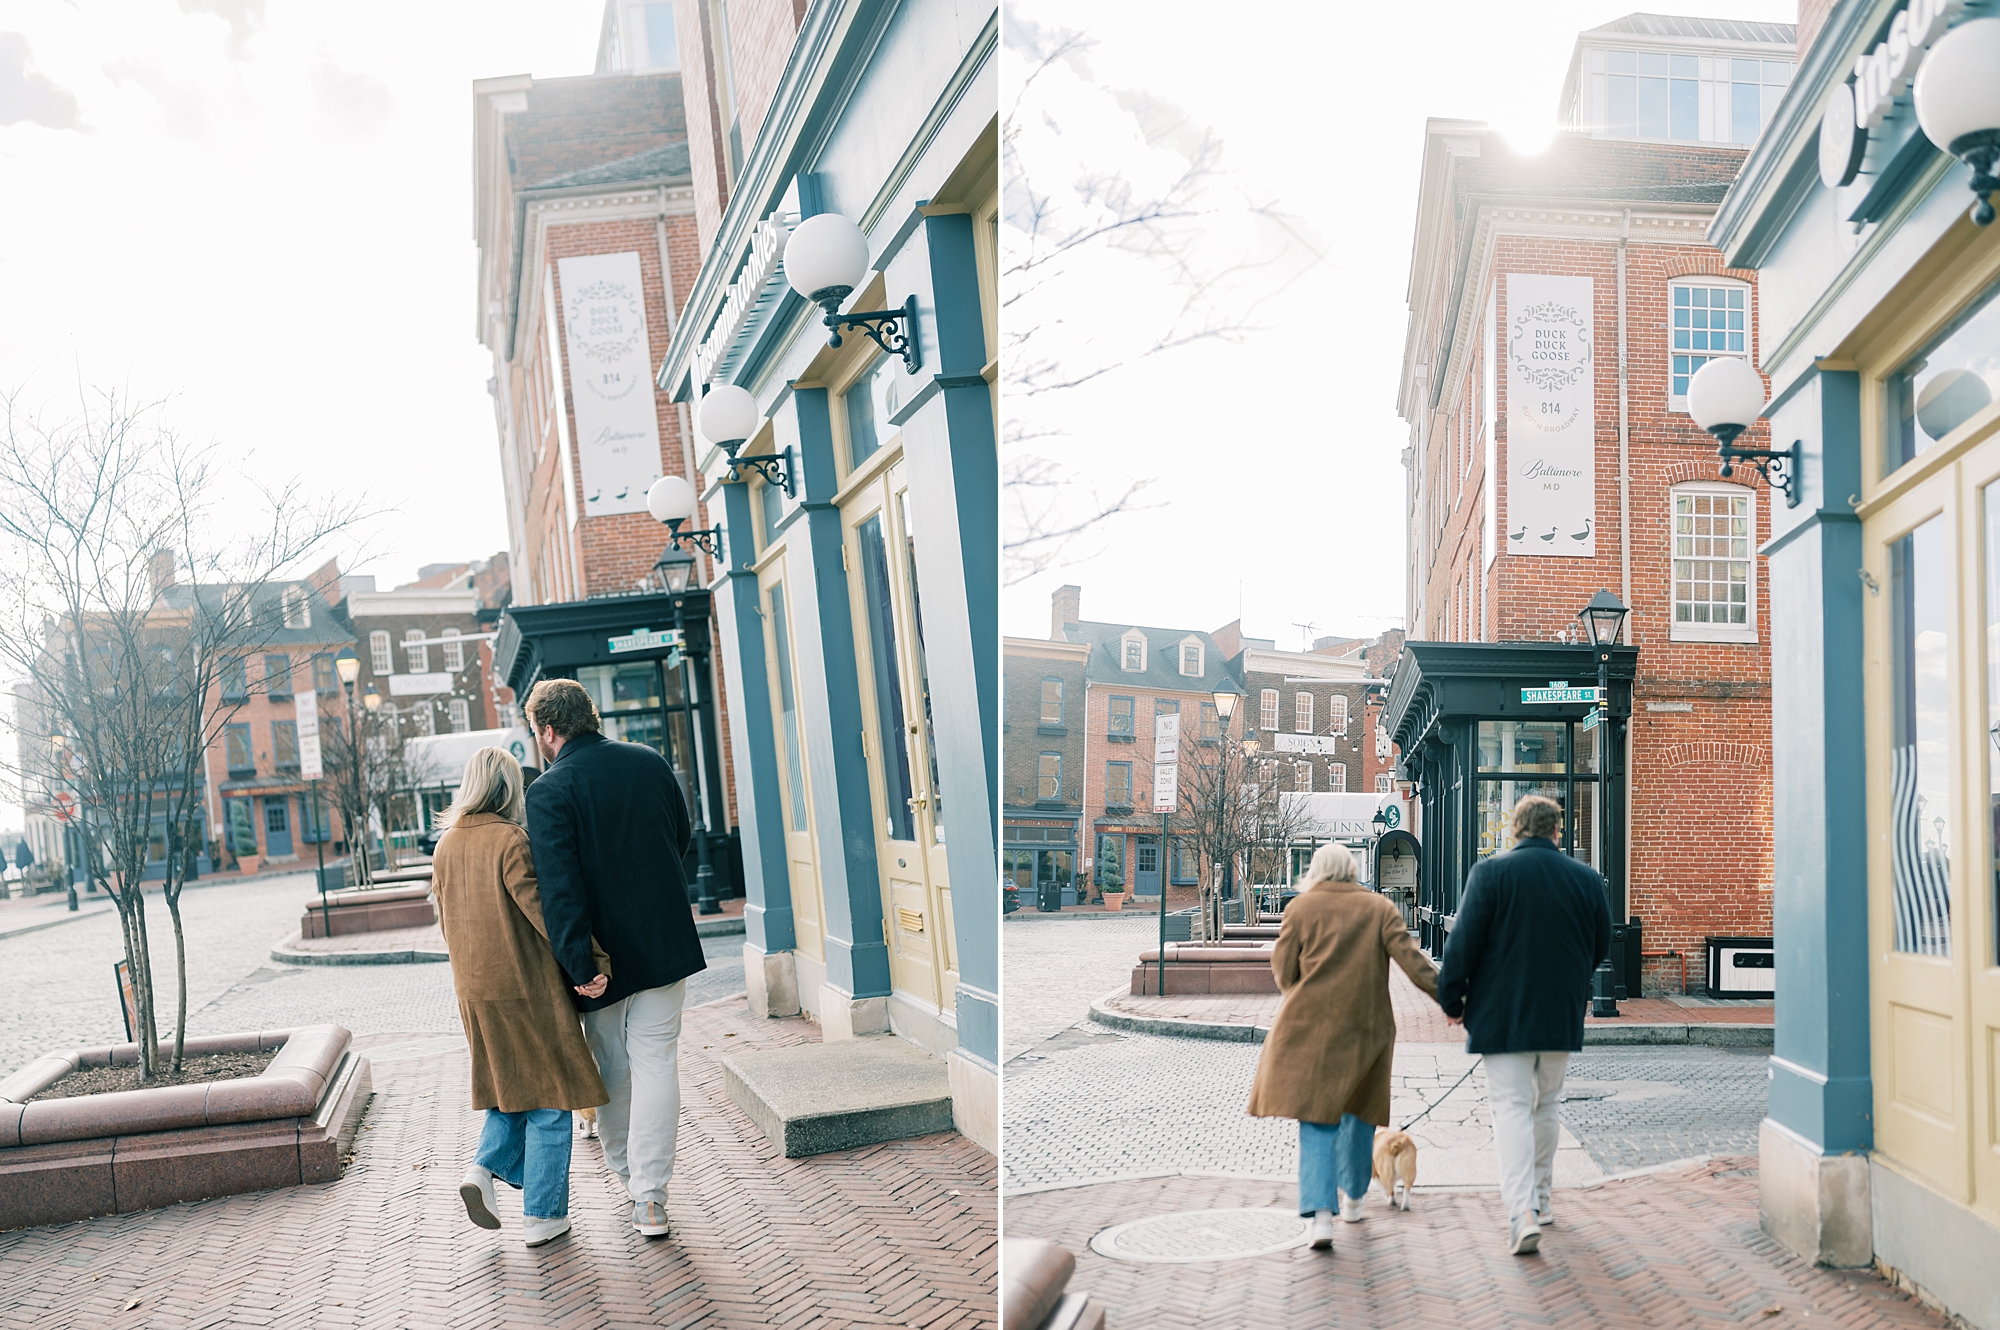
x,y
1328,1056
530,1065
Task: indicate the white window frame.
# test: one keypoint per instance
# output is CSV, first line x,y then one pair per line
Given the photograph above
x,y
1046,681
381,652
460,714
1336,778
1302,777
1267,710
1336,722
1711,632
1302,713
298,608
1384,783
1198,669
1125,645
415,653
422,722
1679,402
454,650
1043,774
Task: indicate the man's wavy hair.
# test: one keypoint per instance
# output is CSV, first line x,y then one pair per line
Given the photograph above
x,y
565,706
1536,815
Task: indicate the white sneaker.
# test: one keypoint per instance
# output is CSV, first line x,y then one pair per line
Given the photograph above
x,y
1350,1208
1545,1216
650,1218
1322,1237
537,1231
1523,1238
476,1190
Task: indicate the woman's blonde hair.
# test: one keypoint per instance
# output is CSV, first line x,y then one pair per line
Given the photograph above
x,y
1331,862
491,784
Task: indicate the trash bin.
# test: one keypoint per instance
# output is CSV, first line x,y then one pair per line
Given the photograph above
x,y
1627,964
1048,896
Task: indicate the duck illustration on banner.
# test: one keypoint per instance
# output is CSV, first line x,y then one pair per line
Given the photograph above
x,y
1548,325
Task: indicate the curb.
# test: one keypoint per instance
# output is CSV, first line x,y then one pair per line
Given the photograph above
x,y
64,918
719,927
285,954
1712,1034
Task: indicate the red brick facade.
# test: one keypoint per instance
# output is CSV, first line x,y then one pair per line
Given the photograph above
x,y
1700,833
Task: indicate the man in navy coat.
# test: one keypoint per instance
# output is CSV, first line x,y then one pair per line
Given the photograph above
x,y
1532,926
608,826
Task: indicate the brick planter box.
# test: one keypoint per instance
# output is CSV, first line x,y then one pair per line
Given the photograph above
x,y
64,1159
1195,969
369,910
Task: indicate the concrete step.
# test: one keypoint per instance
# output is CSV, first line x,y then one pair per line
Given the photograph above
x,y
813,1098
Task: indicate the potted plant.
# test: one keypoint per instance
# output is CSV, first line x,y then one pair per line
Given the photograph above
x,y
1113,896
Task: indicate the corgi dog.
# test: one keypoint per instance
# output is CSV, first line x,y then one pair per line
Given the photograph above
x,y
1396,1165
586,1119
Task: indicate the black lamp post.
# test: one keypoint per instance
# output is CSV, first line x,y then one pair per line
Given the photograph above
x,y
348,666
60,744
1603,619
676,565
1225,711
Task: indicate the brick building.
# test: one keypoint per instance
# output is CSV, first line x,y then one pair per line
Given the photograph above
x,y
1309,712
1043,760
1559,302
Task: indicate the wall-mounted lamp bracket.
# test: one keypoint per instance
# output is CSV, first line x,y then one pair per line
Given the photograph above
x,y
704,538
776,468
894,330
1782,471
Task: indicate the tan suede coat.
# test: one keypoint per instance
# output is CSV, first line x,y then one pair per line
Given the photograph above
x,y
1330,1049
527,1042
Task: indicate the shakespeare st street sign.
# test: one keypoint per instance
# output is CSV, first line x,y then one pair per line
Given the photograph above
x,y
1558,693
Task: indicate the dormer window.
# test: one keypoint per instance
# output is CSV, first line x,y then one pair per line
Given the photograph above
x,y
1132,655
298,610
1191,665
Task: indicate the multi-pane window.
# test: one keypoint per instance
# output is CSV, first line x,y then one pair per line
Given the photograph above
x,y
1707,321
1683,98
278,676
460,715
1211,723
1337,721
1191,658
1048,782
1302,777
285,744
380,657
298,609
421,721
1336,777
454,650
1713,538
1121,716
235,686
1052,710
1302,713
414,650
1384,782
1135,653
1267,709
323,676
1118,783
236,746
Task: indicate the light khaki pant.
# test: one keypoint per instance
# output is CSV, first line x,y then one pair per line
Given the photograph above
x,y
637,1041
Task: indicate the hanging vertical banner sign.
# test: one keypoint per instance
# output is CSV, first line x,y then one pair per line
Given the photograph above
x,y
305,708
610,381
1166,763
1551,417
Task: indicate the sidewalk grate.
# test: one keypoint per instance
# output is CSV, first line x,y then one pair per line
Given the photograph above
x,y
1202,1235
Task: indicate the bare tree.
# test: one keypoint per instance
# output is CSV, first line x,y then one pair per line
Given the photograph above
x,y
1061,220
1235,819
120,661
375,773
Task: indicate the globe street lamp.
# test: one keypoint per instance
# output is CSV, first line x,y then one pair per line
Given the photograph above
x,y
728,417
1603,619
671,501
826,257
1958,104
1725,397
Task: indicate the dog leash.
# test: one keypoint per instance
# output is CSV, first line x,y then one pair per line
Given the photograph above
x,y
1441,1098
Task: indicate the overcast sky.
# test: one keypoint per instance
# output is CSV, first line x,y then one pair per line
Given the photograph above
x,y
261,210
1274,461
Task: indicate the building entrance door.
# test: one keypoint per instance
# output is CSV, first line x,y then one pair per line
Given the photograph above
x,y
795,805
277,826
1146,866
896,706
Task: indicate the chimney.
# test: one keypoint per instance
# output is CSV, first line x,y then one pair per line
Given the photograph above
x,y
1065,608
162,569
1229,639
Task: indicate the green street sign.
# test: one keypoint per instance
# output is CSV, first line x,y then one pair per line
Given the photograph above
x,y
1557,695
643,639
1590,721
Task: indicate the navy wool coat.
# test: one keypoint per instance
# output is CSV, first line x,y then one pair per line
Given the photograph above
x,y
1532,926
608,827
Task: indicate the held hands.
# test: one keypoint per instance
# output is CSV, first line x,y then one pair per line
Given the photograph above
x,y
595,988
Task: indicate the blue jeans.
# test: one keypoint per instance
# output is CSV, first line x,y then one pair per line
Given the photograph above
x,y
1334,1155
530,1150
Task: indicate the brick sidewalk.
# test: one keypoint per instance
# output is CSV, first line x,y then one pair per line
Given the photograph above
x,y
1680,1247
901,1234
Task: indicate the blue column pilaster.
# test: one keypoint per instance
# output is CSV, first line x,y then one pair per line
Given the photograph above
x,y
857,959
953,465
767,909
1820,1085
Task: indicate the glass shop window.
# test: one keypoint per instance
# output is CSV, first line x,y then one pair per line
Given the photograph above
x,y
1921,749
1947,384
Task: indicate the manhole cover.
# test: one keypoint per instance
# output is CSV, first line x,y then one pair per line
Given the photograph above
x,y
1203,1235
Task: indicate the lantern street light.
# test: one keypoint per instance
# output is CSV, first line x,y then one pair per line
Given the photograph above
x,y
728,416
826,258
675,568
1603,620
347,666
1958,104
672,501
1225,700
1725,397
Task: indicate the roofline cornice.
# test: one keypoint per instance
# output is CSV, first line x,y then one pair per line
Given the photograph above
x,y
576,205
